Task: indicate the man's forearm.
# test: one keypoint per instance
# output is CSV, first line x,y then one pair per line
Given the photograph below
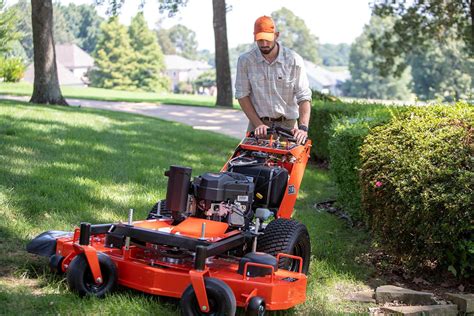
x,y
305,112
249,111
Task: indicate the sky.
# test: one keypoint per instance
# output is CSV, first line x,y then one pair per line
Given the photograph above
x,y
332,21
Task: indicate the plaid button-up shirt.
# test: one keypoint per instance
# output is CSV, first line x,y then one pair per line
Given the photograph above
x,y
276,88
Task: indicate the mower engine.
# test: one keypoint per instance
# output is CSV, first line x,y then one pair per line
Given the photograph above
x,y
223,196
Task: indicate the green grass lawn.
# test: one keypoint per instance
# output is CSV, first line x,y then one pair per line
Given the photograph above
x,y
26,89
60,166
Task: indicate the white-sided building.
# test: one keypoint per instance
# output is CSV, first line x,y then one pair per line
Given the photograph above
x,y
72,63
324,80
180,69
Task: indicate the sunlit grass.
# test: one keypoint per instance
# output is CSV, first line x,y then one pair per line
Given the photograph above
x,y
26,89
60,166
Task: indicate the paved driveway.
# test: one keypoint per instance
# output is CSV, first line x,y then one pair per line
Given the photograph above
x,y
229,122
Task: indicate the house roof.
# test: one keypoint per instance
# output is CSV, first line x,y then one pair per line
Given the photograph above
x,y
175,62
323,77
65,76
72,56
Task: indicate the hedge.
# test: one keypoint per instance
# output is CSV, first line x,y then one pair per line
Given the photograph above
x,y
346,138
324,113
417,177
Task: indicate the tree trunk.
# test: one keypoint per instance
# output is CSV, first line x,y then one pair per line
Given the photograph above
x,y
471,5
46,88
223,78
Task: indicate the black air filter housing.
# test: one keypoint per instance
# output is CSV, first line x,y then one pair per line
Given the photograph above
x,y
270,183
223,186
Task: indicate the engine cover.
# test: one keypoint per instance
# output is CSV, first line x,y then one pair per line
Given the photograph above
x,y
223,187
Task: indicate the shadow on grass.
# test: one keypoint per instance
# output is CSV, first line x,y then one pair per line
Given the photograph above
x,y
60,166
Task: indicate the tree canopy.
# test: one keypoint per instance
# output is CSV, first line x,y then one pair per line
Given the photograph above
x,y
184,41
149,60
295,34
72,24
366,80
8,35
83,23
418,24
114,58
442,72
335,54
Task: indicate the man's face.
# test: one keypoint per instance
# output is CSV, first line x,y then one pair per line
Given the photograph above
x,y
267,46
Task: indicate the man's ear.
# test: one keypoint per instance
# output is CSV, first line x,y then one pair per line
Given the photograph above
x,y
277,34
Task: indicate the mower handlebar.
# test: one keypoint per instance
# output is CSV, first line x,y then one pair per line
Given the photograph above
x,y
278,130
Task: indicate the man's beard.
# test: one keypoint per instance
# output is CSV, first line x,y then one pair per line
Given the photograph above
x,y
267,50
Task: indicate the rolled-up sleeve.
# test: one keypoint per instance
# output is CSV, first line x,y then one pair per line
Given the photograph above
x,y
242,84
302,90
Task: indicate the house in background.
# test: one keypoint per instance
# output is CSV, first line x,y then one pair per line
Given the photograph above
x,y
325,81
180,69
72,63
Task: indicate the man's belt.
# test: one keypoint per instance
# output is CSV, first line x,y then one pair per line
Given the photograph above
x,y
271,119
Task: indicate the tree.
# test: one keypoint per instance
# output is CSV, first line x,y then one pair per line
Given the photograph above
x,y
61,28
366,80
83,23
184,41
442,71
22,10
8,35
206,56
295,34
114,58
163,38
335,54
418,24
46,88
224,83
236,51
149,59
223,76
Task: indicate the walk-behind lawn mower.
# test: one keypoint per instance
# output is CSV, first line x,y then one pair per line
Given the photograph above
x,y
210,243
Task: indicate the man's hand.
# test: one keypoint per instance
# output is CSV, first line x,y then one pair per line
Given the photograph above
x,y
261,130
299,135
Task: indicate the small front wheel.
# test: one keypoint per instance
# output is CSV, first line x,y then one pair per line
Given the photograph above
x,y
80,279
55,263
256,307
219,295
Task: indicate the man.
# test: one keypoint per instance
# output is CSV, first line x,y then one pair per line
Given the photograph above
x,y
271,84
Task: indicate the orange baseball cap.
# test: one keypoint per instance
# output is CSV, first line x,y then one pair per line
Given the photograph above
x,y
264,29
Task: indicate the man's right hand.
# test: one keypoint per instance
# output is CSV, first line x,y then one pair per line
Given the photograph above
x,y
261,130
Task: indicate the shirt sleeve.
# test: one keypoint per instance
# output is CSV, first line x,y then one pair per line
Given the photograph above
x,y
242,84
302,90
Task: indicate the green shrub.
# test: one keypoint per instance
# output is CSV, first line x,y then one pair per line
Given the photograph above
x,y
12,69
324,113
417,178
346,138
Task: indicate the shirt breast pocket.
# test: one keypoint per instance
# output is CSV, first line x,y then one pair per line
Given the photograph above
x,y
256,80
285,86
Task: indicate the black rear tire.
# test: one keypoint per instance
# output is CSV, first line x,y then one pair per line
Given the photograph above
x,y
286,236
220,296
80,279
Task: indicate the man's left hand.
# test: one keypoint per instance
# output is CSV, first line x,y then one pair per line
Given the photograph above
x,y
299,135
